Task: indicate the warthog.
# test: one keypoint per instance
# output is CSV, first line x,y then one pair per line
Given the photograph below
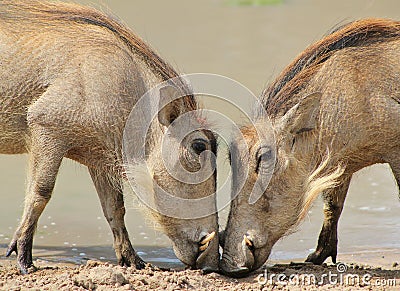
x,y
333,111
69,77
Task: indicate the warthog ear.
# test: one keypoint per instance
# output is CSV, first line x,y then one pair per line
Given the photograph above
x,y
303,116
169,105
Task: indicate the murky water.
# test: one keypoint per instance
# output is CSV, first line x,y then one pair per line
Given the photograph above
x,y
251,45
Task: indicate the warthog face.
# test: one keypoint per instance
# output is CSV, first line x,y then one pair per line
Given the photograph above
x,y
177,182
278,174
185,203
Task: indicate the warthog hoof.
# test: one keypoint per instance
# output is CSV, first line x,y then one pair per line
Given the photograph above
x,y
26,269
319,256
12,248
140,264
24,258
131,260
127,257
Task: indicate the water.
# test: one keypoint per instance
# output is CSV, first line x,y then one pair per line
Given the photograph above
x,y
251,45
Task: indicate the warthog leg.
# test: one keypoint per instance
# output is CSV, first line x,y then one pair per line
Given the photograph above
x,y
394,163
327,241
46,154
396,173
111,197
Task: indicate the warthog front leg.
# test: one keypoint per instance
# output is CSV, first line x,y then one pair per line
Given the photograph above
x,y
112,202
46,154
394,163
327,241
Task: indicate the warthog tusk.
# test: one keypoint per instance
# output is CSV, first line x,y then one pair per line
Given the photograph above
x,y
204,247
206,241
247,242
208,238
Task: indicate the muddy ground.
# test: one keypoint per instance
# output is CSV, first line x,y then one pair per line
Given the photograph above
x,y
95,275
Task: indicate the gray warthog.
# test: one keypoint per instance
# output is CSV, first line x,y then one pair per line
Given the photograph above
x,y
334,110
69,77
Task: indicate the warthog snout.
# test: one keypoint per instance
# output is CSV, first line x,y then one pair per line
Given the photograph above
x,y
208,244
201,252
244,263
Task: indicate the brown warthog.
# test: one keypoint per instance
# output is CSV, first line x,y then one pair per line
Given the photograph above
x,y
69,77
333,111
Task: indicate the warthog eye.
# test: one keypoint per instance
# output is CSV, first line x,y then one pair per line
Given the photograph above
x,y
264,155
199,145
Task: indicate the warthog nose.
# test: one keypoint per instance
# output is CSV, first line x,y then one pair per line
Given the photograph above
x,y
237,272
231,268
241,263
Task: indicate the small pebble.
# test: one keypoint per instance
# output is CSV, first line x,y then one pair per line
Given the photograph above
x,y
92,263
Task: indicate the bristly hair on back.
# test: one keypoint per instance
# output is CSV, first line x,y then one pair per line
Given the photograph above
x,y
278,97
43,10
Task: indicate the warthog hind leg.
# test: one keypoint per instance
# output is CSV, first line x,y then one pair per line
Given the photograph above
x,y
327,241
46,154
112,202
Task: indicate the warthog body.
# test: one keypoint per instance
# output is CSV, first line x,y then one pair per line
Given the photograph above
x,y
69,77
334,110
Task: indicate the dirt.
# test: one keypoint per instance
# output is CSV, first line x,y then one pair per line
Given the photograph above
x,y
95,275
